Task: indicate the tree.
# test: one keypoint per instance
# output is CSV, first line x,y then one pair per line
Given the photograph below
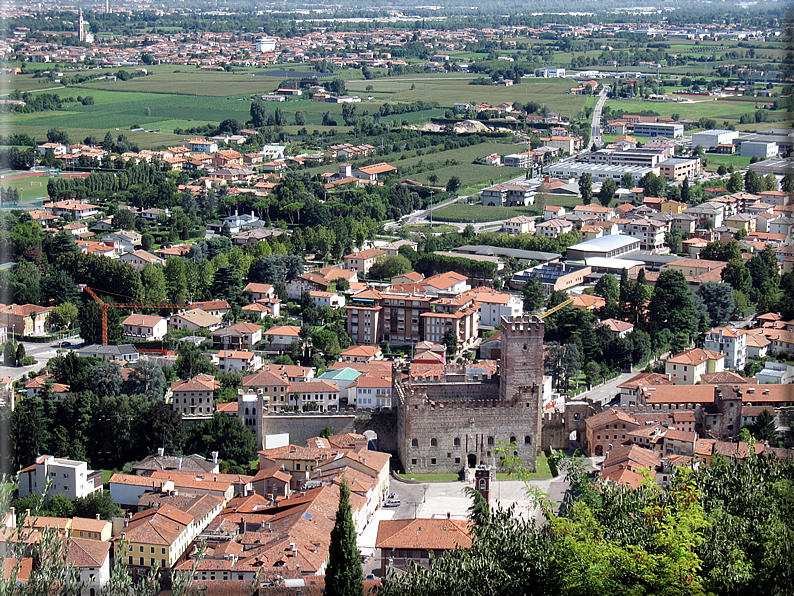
x,y
58,287
147,377
607,192
191,362
627,180
653,185
230,125
327,342
300,118
124,219
105,378
386,267
159,426
737,275
450,340
765,429
147,241
735,183
685,195
720,251
607,287
29,432
586,188
671,304
64,315
453,184
100,503
534,296
344,575
752,184
228,436
258,114
571,363
788,182
718,299
90,317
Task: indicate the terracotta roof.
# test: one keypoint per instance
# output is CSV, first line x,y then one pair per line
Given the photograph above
x,y
424,534
695,356
87,553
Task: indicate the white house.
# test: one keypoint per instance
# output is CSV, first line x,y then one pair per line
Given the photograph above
x,y
70,478
91,559
520,224
239,360
732,343
140,258
323,393
195,319
146,327
777,373
494,305
373,391
329,299
279,338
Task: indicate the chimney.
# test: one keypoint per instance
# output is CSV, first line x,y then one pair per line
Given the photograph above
x,y
242,525
178,463
126,523
97,516
160,452
448,515
215,457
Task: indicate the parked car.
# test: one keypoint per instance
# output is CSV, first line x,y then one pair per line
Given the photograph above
x,y
393,503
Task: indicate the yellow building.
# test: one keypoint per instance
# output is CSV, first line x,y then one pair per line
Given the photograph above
x,y
156,536
673,207
26,319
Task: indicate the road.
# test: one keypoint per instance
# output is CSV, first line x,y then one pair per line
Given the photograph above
x,y
595,133
605,393
42,352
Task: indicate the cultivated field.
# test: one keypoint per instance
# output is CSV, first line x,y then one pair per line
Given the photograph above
x,y
461,212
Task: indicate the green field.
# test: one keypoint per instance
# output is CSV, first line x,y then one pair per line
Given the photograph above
x,y
29,188
715,160
731,111
461,212
430,477
425,228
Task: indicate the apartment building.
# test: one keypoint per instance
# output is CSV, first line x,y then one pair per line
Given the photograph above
x,y
67,477
732,343
679,168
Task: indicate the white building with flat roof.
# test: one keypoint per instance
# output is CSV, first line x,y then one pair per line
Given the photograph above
x,y
67,477
608,247
599,172
713,138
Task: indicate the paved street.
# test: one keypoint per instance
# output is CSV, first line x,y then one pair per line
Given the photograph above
x,y
42,352
605,393
595,134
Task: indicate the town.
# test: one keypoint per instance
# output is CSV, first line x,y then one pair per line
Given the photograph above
x,y
346,300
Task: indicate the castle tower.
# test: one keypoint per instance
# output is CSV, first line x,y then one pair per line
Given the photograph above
x,y
521,377
482,481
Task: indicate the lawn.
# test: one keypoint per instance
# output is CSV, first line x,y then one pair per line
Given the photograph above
x,y
461,212
715,160
430,477
425,228
543,472
29,188
710,108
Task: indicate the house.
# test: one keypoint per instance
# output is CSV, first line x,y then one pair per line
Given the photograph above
x,y
140,258
361,354
520,224
363,260
690,364
404,542
732,343
776,373
553,227
372,172
158,536
260,291
120,353
195,319
194,397
191,464
619,328
26,319
607,430
329,299
36,385
75,209
279,338
216,308
629,389
273,481
495,305
552,212
507,195
68,477
322,393
240,336
239,360
91,560
124,241
372,391
446,283
145,327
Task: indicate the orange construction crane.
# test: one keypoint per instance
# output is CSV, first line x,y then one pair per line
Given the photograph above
x,y
105,305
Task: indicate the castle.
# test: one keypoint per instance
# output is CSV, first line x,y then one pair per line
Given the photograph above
x,y
458,416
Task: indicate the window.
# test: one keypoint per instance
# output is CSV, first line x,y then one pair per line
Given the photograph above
x,y
457,460
141,548
456,442
163,551
433,461
490,441
297,466
528,440
152,550
413,462
414,442
434,442
512,439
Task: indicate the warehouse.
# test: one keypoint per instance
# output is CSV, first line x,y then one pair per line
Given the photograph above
x,y
608,247
599,172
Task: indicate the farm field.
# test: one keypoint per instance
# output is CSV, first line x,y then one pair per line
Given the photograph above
x,y
718,110
715,160
461,212
469,173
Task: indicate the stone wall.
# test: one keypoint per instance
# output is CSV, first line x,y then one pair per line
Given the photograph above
x,y
302,427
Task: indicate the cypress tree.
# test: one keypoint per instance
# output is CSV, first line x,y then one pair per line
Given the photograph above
x,y
344,576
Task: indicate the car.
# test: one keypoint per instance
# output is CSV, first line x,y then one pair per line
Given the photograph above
x,y
370,576
393,503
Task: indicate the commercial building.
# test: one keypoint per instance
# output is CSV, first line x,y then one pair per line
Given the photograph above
x,y
679,168
635,157
762,149
714,138
658,129
599,172
606,246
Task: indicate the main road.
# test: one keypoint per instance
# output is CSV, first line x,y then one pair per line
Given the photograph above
x,y
595,133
